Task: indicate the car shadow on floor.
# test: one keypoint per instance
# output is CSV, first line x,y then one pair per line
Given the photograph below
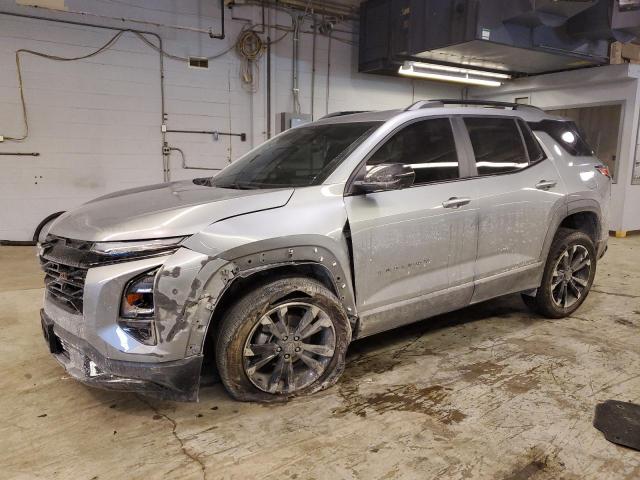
x,y
507,307
379,353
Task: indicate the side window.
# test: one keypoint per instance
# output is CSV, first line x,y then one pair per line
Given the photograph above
x,y
533,147
427,146
497,145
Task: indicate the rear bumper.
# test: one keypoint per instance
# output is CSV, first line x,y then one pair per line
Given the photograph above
x,y
174,380
601,248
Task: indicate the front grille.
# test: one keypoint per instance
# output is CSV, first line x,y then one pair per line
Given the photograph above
x,y
65,284
63,262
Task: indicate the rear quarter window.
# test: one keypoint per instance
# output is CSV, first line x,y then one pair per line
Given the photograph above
x,y
567,134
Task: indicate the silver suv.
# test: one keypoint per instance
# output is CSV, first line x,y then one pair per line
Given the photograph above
x,y
333,231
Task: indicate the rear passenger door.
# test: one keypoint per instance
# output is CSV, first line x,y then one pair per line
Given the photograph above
x,y
414,249
519,192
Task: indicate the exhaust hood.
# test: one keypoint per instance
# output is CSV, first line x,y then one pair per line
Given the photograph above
x,y
517,37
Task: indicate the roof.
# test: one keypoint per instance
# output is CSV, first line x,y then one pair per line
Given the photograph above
x,y
429,108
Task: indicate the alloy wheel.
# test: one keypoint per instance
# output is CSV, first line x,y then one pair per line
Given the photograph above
x,y
570,278
289,348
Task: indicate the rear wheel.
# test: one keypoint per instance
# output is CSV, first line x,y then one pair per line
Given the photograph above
x,y
568,275
285,338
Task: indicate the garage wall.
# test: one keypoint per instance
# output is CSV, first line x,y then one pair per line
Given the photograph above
x,y
96,123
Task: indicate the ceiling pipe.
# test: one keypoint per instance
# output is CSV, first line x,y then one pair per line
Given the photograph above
x,y
208,31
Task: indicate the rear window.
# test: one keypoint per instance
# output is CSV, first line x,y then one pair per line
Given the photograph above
x,y
567,134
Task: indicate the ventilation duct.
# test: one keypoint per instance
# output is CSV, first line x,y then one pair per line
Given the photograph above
x,y
514,36
608,20
550,13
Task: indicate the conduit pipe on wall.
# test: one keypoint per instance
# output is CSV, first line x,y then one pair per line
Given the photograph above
x,y
328,73
208,31
313,64
184,161
140,32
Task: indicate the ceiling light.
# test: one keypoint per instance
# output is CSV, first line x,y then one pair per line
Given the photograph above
x,y
448,73
470,71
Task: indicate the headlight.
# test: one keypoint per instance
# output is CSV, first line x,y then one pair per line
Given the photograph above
x,y
138,247
138,308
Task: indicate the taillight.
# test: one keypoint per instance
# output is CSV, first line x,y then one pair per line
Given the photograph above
x,y
604,170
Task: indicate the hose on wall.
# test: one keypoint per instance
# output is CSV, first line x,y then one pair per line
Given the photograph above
x,y
249,46
23,103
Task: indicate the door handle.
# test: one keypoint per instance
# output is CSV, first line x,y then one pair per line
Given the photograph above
x,y
456,202
546,184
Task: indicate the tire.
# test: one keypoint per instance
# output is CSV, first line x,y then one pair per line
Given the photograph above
x,y
568,275
252,332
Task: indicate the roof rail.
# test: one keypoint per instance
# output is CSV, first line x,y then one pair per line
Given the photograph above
x,y
340,114
483,103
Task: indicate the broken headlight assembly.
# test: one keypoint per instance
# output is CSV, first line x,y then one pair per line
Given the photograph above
x,y
137,248
137,309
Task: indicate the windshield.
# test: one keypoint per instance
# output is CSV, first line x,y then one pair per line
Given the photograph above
x,y
299,157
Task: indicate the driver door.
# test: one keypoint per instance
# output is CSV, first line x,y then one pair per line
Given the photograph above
x,y
414,249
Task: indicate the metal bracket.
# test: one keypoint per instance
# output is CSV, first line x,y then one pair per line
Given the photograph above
x,y
214,133
21,154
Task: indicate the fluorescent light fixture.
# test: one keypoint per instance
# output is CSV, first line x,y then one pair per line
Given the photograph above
x,y
446,73
470,71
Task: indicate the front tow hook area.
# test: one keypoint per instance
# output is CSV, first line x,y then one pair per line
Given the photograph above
x,y
50,337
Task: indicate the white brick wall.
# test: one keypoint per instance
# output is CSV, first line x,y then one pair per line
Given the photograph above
x,y
96,122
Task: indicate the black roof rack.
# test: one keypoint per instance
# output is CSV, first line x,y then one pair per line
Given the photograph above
x,y
340,114
439,103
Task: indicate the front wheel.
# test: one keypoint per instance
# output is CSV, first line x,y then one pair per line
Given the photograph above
x,y
286,338
568,275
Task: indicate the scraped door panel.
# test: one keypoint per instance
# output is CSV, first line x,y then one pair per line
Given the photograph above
x,y
514,220
413,257
519,192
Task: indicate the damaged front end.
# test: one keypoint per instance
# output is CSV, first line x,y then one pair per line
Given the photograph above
x,y
138,321
174,380
101,323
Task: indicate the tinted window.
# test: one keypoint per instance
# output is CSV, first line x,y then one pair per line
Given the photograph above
x,y
567,134
299,157
533,147
497,145
427,146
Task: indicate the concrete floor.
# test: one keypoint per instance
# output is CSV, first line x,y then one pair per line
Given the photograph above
x,y
491,391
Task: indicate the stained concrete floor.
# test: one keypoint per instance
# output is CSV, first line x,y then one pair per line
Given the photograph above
x,y
491,392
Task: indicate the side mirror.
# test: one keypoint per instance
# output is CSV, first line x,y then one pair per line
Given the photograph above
x,y
386,176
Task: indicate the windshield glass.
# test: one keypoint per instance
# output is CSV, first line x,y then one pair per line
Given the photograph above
x,y
299,157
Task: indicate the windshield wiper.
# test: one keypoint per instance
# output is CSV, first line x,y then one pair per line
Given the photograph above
x,y
237,185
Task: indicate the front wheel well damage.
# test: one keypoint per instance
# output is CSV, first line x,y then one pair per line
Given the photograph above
x,y
243,285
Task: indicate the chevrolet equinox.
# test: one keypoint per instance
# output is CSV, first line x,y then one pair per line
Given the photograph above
x,y
332,231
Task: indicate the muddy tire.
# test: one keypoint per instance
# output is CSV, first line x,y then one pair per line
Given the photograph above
x,y
285,338
568,275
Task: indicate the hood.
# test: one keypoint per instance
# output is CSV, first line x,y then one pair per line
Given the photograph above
x,y
163,210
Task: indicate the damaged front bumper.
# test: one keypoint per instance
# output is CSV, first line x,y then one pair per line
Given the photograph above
x,y
172,380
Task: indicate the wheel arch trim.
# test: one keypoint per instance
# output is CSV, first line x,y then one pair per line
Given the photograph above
x,y
216,288
573,207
